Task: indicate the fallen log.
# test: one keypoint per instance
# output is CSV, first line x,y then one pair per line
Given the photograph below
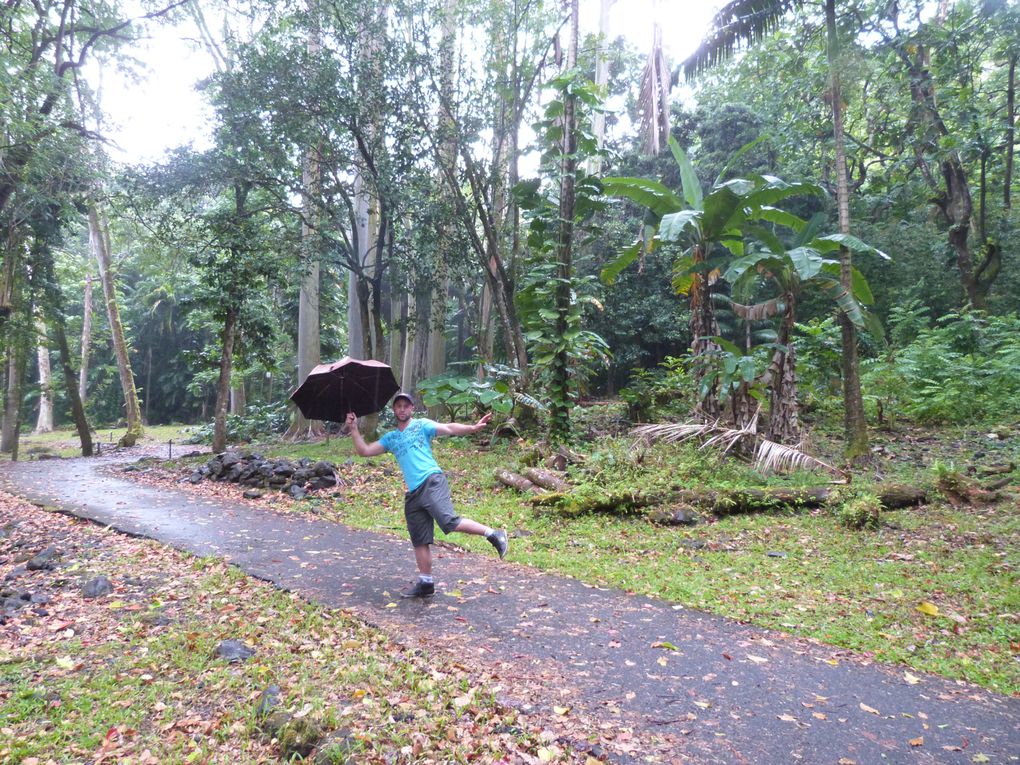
x,y
514,481
546,479
727,502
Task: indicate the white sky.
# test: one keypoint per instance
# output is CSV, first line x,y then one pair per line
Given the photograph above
x,y
163,110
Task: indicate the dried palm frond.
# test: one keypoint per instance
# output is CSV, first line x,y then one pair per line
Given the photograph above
x,y
674,432
653,100
770,456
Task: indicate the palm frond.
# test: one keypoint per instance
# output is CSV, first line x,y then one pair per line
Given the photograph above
x,y
772,457
736,24
656,82
769,456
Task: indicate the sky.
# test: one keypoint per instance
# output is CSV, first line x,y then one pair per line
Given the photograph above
x,y
161,110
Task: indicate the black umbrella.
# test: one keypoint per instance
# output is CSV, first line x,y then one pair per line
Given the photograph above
x,y
330,391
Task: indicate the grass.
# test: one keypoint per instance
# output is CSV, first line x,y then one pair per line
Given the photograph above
x,y
104,681
800,572
65,443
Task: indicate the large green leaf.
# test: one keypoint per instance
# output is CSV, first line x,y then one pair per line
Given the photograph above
x,y
832,242
627,256
647,193
776,190
858,283
688,178
766,237
723,211
781,218
807,262
677,226
683,275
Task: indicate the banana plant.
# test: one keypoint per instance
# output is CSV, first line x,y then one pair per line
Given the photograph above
x,y
793,270
711,229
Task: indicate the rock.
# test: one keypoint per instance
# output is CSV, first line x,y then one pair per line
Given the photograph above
x,y
253,494
692,544
44,561
681,516
774,554
268,699
229,459
322,482
97,587
338,747
13,604
196,477
296,491
234,651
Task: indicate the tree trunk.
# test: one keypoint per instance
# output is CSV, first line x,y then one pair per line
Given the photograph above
x,y
81,424
855,428
86,339
100,240
16,364
44,423
703,327
1007,182
601,80
309,348
784,424
559,409
219,442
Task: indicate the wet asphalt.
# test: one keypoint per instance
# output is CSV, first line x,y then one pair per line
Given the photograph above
x,y
724,692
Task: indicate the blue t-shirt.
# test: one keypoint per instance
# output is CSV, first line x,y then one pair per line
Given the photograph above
x,y
412,447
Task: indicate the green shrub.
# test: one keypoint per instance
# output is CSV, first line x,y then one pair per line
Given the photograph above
x,y
258,421
856,509
963,370
661,394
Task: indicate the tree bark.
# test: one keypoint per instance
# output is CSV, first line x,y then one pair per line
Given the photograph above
x,y
44,422
515,481
11,428
219,442
309,348
100,239
855,428
728,502
1007,183
81,423
560,405
86,338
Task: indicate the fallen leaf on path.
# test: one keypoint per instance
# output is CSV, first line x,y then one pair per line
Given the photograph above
x,y
927,608
866,708
919,741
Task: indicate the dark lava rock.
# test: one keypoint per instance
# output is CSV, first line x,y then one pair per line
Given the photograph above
x,y
234,651
44,561
268,700
96,588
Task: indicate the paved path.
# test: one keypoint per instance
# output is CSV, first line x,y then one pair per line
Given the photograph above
x,y
730,694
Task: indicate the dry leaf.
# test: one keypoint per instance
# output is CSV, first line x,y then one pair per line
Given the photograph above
x,y
927,608
911,679
866,708
561,710
919,741
787,718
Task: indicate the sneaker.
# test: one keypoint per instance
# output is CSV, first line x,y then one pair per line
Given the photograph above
x,y
420,590
498,540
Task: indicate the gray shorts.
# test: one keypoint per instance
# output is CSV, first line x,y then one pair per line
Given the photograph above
x,y
429,502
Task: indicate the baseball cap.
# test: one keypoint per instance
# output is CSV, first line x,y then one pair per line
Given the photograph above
x,y
403,394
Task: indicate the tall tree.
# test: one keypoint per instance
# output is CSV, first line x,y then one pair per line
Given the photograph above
x,y
99,237
744,22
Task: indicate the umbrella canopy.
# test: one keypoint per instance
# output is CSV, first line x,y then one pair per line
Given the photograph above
x,y
330,391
